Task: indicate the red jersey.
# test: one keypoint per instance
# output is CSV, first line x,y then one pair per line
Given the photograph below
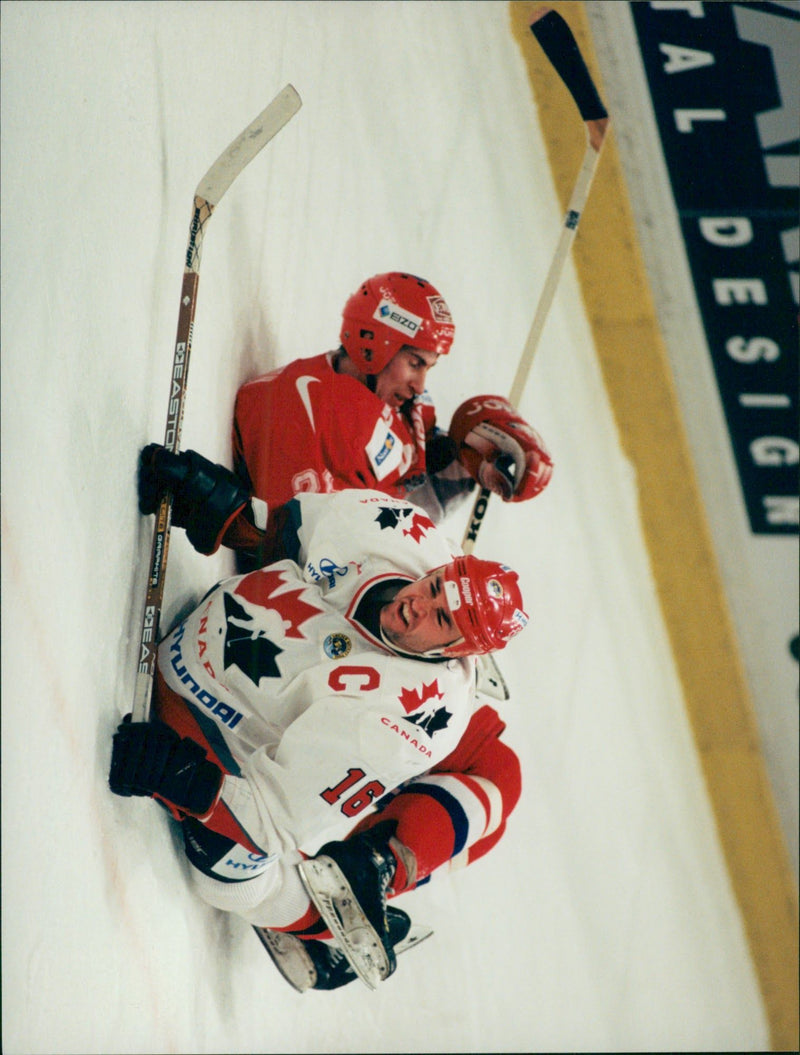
x,y
306,428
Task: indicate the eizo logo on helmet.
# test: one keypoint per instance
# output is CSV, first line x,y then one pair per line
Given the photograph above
x,y
402,321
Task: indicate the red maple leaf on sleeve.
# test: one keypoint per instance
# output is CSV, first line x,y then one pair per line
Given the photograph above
x,y
420,526
411,699
268,589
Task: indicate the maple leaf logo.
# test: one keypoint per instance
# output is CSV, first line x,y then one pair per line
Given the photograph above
x,y
416,525
268,589
413,698
431,720
431,723
420,526
246,646
390,518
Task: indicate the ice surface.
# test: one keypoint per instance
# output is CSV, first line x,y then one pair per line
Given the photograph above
x,y
604,920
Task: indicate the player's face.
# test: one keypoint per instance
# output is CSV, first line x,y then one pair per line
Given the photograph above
x,y
418,619
404,377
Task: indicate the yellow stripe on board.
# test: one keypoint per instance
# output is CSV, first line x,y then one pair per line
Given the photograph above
x,y
639,382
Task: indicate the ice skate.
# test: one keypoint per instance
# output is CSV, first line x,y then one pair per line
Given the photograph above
x,y
317,965
348,882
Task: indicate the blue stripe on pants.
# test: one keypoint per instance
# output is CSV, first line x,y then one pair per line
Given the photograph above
x,y
455,810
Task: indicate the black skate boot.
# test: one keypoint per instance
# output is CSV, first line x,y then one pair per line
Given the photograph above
x,y
314,964
348,882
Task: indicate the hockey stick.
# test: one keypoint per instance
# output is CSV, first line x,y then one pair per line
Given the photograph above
x,y
207,196
561,48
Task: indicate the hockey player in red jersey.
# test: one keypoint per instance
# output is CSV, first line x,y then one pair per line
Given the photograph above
x,y
296,697
361,416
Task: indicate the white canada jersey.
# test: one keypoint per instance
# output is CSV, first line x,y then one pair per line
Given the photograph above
x,y
319,717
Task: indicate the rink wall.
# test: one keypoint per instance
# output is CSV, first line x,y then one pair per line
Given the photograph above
x,y
638,376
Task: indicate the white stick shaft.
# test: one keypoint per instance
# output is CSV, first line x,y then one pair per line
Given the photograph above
x,y
577,203
575,208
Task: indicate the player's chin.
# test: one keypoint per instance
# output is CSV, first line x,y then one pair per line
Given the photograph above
x,y
391,638
391,624
404,643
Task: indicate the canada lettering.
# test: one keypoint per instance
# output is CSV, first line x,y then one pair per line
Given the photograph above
x,y
412,740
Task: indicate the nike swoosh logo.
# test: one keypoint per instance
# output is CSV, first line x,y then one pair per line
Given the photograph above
x,y
302,384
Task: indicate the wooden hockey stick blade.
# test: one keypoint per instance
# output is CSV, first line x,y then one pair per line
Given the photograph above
x,y
244,148
559,45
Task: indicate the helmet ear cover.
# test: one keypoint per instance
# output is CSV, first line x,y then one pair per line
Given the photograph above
x,y
392,311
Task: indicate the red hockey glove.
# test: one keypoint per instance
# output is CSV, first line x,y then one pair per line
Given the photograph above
x,y
499,449
150,758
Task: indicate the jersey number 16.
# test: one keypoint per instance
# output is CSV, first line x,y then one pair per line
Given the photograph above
x,y
359,799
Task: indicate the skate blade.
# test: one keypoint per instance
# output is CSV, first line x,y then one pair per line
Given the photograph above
x,y
357,938
415,936
290,957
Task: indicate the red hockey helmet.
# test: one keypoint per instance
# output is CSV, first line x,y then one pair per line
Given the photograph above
x,y
486,605
392,310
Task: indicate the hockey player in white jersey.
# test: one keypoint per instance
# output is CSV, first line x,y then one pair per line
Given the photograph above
x,y
298,696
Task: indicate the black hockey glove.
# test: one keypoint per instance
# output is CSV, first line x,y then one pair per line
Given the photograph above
x,y
150,758
206,497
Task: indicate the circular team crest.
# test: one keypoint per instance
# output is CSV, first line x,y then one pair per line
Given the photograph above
x,y
494,588
336,646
